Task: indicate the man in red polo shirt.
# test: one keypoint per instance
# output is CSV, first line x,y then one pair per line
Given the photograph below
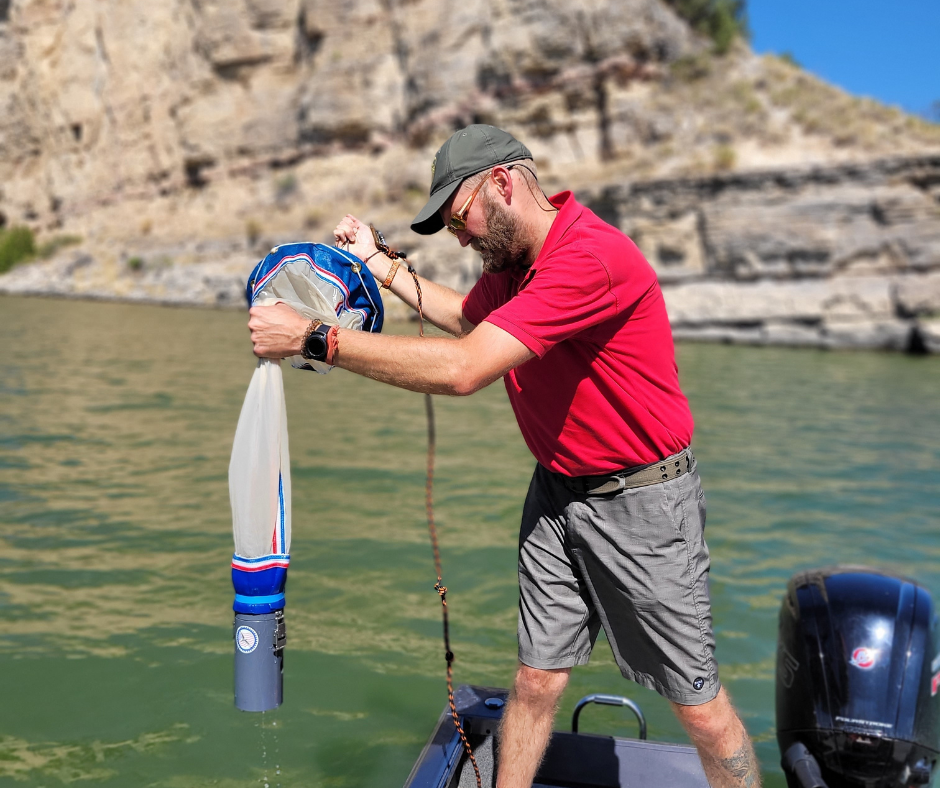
x,y
570,314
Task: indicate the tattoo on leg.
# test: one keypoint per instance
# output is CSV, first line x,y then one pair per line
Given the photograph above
x,y
741,765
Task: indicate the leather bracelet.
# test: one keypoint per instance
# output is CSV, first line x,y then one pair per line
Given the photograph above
x,y
391,274
332,343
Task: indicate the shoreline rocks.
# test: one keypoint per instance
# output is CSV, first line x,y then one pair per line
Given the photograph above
x,y
846,256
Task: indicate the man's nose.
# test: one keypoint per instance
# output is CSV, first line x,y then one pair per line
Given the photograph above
x,y
464,237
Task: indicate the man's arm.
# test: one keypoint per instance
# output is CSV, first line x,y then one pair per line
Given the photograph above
x,y
435,365
441,306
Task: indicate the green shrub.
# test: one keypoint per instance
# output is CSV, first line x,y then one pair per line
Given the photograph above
x,y
745,97
53,245
16,245
253,231
136,264
721,20
724,158
285,186
692,67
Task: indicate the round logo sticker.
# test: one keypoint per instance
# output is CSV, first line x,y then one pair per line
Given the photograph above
x,y
698,683
863,657
246,640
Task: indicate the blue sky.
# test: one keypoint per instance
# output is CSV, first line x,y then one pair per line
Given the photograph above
x,y
886,49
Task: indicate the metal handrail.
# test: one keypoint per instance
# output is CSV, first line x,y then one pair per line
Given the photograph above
x,y
608,700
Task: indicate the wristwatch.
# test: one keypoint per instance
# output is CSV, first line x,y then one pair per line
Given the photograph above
x,y
315,343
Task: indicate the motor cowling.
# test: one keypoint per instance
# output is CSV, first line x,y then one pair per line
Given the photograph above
x,y
858,674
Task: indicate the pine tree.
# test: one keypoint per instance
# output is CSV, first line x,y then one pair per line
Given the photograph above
x,y
721,20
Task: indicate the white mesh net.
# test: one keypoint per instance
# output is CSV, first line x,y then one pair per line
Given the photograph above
x,y
259,471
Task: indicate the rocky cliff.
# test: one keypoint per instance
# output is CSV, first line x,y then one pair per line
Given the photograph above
x,y
214,105
827,256
176,141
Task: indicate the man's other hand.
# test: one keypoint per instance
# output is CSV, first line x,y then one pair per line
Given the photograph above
x,y
358,235
276,331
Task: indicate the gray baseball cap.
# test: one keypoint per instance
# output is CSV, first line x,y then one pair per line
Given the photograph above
x,y
467,152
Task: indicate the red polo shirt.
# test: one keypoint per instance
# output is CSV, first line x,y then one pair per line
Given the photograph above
x,y
603,391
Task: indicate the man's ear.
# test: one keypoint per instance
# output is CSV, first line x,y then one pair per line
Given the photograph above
x,y
502,180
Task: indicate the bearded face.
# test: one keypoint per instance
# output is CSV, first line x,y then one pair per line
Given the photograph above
x,y
505,245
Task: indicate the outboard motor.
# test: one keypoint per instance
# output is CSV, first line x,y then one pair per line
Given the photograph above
x,y
858,672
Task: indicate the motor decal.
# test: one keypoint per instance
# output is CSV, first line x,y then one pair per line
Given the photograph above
x,y
787,666
864,657
866,723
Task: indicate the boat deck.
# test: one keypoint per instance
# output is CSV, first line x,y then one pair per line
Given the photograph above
x,y
573,760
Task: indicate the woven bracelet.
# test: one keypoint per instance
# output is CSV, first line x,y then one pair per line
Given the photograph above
x,y
391,274
332,343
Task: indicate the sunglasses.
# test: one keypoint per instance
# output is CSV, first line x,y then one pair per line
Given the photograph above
x,y
458,219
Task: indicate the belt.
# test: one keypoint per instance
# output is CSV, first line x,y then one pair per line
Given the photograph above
x,y
638,476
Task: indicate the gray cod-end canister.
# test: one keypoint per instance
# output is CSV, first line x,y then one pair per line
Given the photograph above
x,y
259,660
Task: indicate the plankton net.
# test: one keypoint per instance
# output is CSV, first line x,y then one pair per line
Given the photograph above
x,y
319,282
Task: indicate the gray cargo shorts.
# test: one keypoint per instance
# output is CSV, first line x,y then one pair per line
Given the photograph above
x,y
634,562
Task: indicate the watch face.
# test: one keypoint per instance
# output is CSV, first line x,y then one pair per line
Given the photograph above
x,y
315,346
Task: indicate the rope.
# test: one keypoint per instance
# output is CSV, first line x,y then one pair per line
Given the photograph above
x,y
432,529
375,310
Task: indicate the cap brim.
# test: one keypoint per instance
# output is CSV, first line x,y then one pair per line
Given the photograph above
x,y
429,221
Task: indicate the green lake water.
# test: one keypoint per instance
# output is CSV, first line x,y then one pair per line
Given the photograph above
x,y
116,424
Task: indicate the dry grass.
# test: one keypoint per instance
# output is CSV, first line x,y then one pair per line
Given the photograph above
x,y
742,111
847,121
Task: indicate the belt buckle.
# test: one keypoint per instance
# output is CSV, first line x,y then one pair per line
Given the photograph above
x,y
621,485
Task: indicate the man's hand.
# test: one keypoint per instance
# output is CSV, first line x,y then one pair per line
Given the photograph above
x,y
358,235
276,331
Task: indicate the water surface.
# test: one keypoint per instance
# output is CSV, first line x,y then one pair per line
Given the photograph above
x,y
116,424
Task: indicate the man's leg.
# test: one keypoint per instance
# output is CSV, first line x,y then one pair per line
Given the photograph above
x,y
723,745
527,724
557,627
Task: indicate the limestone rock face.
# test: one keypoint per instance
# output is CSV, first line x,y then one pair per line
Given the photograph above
x,y
181,139
930,330
880,217
804,301
919,295
845,256
128,97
